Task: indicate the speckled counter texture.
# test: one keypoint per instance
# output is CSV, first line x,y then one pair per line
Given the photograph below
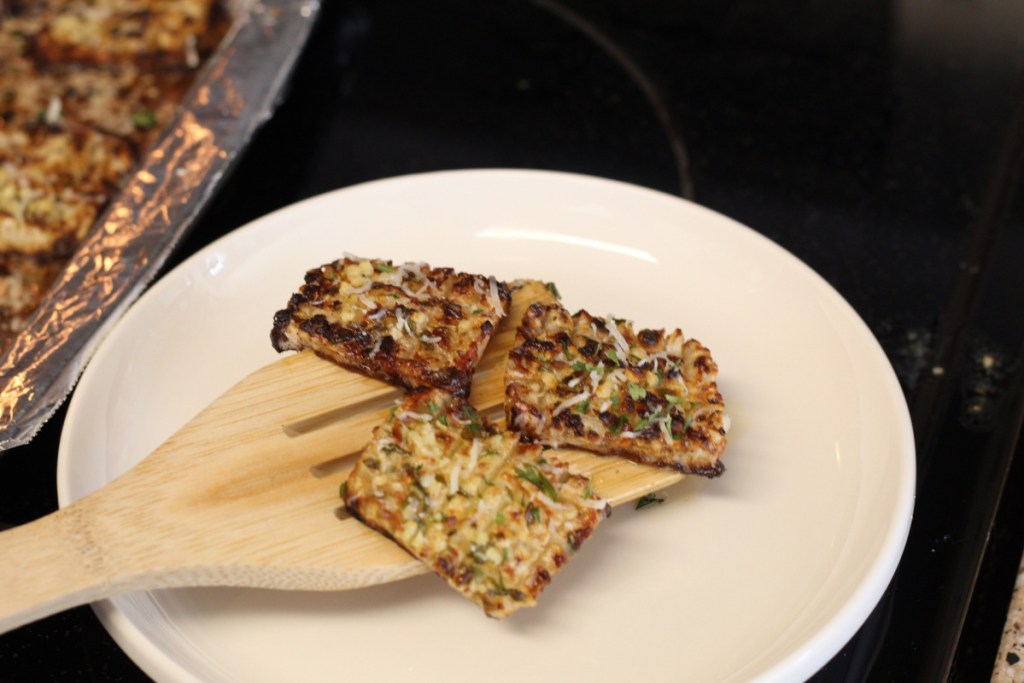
x,y
1009,666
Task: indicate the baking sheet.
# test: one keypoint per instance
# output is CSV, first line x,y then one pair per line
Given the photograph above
x,y
236,92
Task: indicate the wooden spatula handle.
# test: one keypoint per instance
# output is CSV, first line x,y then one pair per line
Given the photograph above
x,y
52,564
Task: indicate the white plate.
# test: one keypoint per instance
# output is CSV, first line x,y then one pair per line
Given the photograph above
x,y
761,574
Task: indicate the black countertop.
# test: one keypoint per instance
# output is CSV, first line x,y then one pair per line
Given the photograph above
x,y
881,142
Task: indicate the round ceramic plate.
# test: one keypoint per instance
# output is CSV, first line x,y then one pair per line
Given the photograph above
x,y
761,574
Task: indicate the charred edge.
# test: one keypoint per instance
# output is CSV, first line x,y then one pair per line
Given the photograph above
x,y
278,336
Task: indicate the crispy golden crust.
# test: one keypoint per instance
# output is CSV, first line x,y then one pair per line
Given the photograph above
x,y
410,324
492,516
597,384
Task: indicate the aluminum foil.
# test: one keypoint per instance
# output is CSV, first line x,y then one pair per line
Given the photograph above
x,y
236,92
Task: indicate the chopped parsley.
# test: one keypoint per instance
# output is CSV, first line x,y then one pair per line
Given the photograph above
x,y
473,428
553,289
617,424
532,513
433,408
535,477
144,119
636,392
649,499
383,268
580,366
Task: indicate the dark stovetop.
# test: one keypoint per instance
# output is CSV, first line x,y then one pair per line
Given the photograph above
x,y
882,142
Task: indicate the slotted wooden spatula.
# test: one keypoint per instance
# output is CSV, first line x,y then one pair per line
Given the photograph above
x,y
246,494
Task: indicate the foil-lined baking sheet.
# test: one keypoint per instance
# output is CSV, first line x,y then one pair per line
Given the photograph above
x,y
236,92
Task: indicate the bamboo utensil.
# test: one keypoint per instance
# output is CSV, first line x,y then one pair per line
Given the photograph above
x,y
246,494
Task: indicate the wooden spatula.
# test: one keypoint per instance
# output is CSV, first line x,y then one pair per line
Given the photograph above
x,y
246,494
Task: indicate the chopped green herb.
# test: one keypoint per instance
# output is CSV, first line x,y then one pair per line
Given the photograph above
x,y
649,499
617,424
589,491
532,513
532,475
582,407
565,348
672,398
612,356
474,428
383,268
615,401
144,119
343,490
554,290
636,392
500,517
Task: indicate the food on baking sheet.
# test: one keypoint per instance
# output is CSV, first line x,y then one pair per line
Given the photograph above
x,y
166,33
596,384
85,88
494,517
409,324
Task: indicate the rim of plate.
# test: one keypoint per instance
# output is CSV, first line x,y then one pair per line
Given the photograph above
x,y
802,661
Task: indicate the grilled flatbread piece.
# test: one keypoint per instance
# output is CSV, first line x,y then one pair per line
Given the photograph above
x,y
494,517
596,384
410,324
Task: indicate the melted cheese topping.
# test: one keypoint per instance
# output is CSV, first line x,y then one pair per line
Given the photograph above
x,y
494,517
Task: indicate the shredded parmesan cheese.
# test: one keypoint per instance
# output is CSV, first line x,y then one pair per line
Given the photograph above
x,y
548,502
570,402
620,341
453,481
495,299
474,454
409,415
666,432
53,111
